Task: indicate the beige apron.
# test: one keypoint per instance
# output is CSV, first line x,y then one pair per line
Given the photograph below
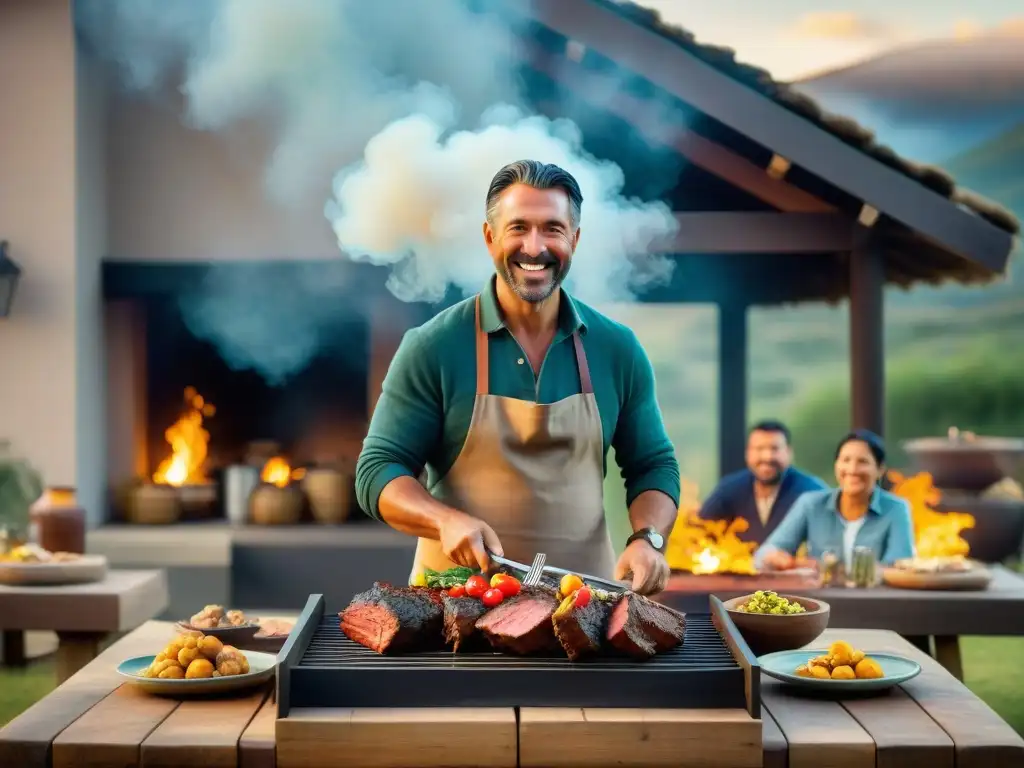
x,y
534,473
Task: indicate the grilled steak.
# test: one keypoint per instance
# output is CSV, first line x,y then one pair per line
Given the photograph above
x,y
641,628
581,631
522,624
388,619
460,615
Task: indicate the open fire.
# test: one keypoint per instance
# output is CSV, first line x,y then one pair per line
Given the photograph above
x,y
704,547
277,471
189,443
936,534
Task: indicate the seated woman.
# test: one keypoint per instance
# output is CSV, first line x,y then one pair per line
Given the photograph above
x,y
856,514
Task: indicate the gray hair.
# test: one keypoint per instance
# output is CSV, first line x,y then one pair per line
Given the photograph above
x,y
538,175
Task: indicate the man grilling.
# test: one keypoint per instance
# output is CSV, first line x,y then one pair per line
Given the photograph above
x,y
511,400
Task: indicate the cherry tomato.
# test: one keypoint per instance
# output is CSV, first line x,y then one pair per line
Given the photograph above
x,y
476,585
509,585
492,597
569,584
457,591
582,597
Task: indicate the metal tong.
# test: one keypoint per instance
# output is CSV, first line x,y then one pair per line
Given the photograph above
x,y
539,567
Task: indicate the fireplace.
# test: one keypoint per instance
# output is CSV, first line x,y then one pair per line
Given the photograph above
x,y
270,367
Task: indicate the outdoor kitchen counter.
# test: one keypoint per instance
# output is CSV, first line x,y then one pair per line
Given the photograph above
x,y
94,720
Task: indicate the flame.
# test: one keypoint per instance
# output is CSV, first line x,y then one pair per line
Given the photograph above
x,y
707,546
936,534
277,471
189,443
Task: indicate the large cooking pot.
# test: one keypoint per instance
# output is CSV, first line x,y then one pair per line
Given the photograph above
x,y
998,531
965,462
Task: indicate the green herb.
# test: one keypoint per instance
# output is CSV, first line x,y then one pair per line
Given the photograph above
x,y
448,579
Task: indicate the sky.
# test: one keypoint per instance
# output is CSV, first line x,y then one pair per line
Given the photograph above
x,y
797,38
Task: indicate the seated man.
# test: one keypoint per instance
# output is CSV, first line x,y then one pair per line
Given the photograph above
x,y
763,492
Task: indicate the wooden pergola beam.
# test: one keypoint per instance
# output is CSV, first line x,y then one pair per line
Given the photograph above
x,y
603,91
675,70
758,232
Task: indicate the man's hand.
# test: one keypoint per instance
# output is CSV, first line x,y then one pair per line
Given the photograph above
x,y
466,540
648,567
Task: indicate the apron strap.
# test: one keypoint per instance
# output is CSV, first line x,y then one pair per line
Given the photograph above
x,y
586,386
483,362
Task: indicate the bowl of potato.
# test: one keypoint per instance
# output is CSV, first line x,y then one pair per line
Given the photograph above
x,y
196,663
840,667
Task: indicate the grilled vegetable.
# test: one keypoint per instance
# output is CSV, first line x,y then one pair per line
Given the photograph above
x,y
447,579
492,598
476,585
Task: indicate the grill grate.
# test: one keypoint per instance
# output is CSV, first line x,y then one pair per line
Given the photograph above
x,y
702,649
329,670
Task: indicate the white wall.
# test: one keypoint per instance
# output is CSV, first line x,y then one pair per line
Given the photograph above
x,y
38,359
177,194
91,246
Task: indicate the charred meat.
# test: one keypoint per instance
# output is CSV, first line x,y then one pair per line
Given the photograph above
x,y
581,630
641,628
460,615
522,625
389,619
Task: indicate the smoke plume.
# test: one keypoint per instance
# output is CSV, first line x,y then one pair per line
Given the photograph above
x,y
410,106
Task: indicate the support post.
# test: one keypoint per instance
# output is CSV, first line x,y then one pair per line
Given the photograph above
x,y
867,335
732,386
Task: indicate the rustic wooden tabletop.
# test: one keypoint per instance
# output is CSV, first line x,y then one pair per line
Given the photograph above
x,y
932,721
83,615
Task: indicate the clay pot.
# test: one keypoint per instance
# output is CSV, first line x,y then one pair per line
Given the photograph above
x,y
271,505
198,500
330,494
154,504
60,522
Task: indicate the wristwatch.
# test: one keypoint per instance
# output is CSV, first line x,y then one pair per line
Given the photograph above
x,y
650,535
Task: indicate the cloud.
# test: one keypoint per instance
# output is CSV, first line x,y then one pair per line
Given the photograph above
x,y
839,25
970,29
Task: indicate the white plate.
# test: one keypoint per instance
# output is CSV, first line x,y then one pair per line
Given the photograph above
x,y
261,669
85,569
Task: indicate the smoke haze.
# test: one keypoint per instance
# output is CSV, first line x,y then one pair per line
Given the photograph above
x,y
410,106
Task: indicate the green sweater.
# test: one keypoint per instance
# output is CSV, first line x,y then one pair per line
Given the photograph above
x,y
426,403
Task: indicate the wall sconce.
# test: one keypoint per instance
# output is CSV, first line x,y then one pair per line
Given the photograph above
x,y
9,274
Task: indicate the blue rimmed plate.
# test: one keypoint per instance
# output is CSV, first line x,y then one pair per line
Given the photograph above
x,y
261,669
782,666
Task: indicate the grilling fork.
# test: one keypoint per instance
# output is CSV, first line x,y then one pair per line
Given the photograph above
x,y
541,559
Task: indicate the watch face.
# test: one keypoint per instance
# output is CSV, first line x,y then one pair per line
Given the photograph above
x,y
656,539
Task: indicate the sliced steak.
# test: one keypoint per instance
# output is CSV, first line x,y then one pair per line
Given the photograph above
x,y
460,615
522,624
581,631
641,628
389,619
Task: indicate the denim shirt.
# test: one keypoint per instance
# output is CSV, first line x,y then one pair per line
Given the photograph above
x,y
888,528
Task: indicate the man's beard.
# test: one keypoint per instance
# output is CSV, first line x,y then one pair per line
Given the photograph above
x,y
775,478
530,291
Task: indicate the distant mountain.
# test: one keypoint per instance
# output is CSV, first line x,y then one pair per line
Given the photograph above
x,y
995,169
934,101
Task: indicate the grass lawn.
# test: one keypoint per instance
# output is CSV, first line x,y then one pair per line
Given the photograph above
x,y
986,661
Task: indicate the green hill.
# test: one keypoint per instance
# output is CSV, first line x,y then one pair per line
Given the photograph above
x,y
995,169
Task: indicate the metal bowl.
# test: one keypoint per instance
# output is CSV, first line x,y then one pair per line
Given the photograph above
x,y
966,463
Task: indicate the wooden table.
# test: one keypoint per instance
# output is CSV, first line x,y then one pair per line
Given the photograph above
x,y
82,615
93,720
914,613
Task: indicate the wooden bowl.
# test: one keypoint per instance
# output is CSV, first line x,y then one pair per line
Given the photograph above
x,y
768,633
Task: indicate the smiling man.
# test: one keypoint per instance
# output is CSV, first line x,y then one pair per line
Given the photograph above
x,y
511,401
